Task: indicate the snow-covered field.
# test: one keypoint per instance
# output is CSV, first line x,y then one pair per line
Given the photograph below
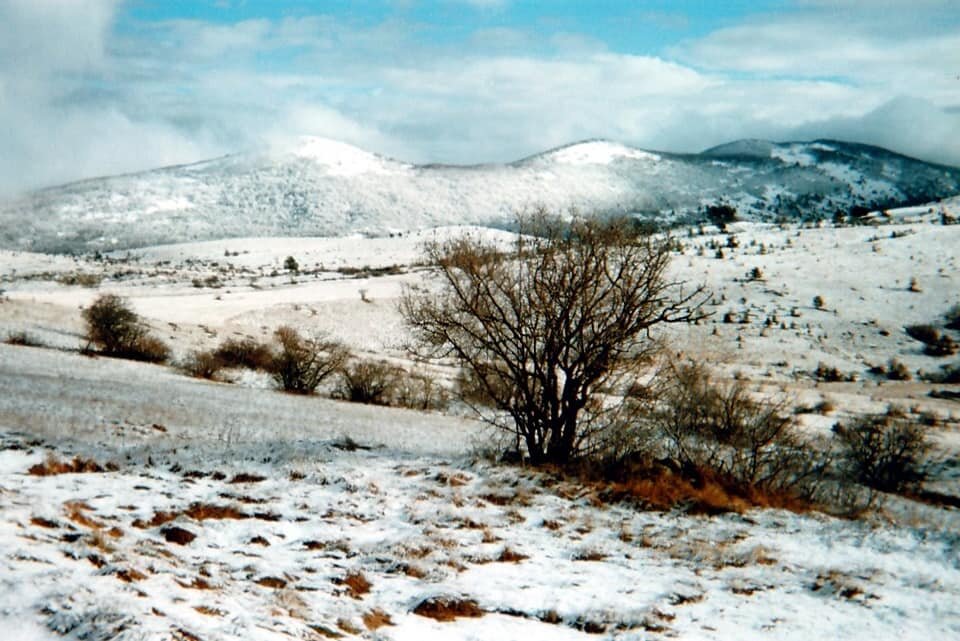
x,y
299,534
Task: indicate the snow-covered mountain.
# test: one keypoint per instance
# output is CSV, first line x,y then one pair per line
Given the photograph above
x,y
319,187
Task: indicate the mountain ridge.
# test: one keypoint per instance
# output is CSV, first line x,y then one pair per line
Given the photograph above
x,y
322,187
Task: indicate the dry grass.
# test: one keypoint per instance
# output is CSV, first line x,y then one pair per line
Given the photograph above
x,y
177,535
357,584
196,511
708,495
448,609
39,521
198,583
204,511
508,555
413,571
245,477
455,479
130,575
211,612
52,466
589,555
271,582
375,619
75,512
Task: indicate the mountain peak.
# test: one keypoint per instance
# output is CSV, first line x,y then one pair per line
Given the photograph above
x,y
338,158
596,152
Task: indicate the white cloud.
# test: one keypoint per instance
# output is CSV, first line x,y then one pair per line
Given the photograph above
x,y
91,100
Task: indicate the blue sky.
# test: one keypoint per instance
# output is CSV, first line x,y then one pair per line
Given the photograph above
x,y
92,87
624,26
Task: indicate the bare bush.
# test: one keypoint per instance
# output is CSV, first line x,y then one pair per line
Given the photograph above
x,y
924,333
21,338
420,392
952,317
146,348
118,331
244,352
201,364
553,329
371,382
720,430
303,363
897,371
884,452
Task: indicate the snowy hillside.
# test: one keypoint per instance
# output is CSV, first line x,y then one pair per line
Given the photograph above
x,y
319,187
228,511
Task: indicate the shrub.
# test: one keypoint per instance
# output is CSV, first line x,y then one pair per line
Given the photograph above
x,y
721,215
21,338
291,264
146,348
244,352
830,374
818,302
945,346
927,334
948,374
952,317
117,331
718,429
303,363
897,371
371,382
420,392
201,364
884,452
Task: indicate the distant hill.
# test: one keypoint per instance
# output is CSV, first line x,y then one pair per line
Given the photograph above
x,y
319,187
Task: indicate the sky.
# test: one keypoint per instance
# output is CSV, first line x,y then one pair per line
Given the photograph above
x,y
97,87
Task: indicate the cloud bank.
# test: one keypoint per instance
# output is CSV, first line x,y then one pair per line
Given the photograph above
x,y
85,91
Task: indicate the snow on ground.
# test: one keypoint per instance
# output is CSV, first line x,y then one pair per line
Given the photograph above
x,y
420,514
336,542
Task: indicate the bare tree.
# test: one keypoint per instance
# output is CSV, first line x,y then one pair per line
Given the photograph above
x,y
553,329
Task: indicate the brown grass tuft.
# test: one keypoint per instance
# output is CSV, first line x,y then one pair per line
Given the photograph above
x,y
198,583
178,535
589,555
271,582
130,575
448,609
204,511
413,571
158,518
39,521
511,556
75,512
357,584
52,466
665,490
211,612
375,619
244,477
